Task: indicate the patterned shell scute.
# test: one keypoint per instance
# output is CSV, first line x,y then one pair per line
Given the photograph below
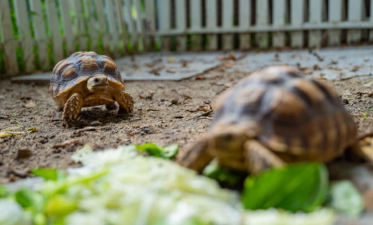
x,y
293,113
81,66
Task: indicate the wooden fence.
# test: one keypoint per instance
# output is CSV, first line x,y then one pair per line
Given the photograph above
x,y
35,34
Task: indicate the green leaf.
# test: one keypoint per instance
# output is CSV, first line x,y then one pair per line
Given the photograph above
x,y
48,174
150,148
366,113
29,199
3,191
224,176
346,199
157,151
170,151
60,206
296,187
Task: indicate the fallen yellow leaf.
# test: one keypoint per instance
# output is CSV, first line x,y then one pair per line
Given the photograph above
x,y
171,59
11,128
3,134
32,129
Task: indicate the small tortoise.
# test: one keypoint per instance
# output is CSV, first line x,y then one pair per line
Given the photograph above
x,y
88,79
274,116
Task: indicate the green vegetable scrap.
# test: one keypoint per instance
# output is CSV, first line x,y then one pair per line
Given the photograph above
x,y
346,199
168,152
49,174
120,186
297,187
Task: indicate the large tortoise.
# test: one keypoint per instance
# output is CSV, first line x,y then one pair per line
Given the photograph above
x,y
273,117
88,79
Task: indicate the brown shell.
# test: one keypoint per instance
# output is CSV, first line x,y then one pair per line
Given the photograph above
x,y
298,117
79,67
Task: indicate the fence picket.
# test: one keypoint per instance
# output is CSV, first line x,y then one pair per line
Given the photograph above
x,y
262,19
371,20
335,16
355,9
131,24
54,30
164,18
227,23
244,22
139,23
112,28
103,31
315,16
91,24
67,26
40,34
11,64
24,33
196,23
279,17
80,30
181,24
211,23
297,19
150,24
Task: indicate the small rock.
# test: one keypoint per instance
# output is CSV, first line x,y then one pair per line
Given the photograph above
x,y
20,172
174,101
23,153
96,123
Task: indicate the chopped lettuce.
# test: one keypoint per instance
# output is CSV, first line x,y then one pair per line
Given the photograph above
x,y
119,186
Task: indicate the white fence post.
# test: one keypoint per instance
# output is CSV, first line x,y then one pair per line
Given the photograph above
x,y
11,65
227,23
54,30
244,23
355,9
279,19
315,16
38,24
113,29
165,22
335,16
262,19
181,24
24,33
297,9
67,27
211,24
196,23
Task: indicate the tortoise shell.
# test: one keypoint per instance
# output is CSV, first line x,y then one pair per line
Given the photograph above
x,y
79,67
289,113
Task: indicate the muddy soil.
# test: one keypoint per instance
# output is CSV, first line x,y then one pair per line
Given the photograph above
x,y
166,112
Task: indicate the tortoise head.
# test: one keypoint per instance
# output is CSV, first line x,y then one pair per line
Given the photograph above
x,y
97,83
228,137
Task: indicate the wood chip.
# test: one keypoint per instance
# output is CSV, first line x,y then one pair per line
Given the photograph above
x,y
130,134
66,143
23,153
30,104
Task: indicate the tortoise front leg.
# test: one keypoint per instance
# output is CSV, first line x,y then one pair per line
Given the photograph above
x,y
363,149
196,156
72,109
259,158
125,102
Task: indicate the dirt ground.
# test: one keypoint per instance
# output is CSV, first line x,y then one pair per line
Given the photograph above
x,y
166,112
